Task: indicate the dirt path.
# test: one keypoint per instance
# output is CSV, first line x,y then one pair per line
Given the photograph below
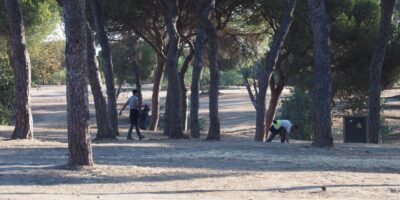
x,y
234,168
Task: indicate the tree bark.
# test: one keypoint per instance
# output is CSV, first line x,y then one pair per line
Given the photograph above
x,y
104,128
155,98
20,61
322,88
214,128
203,13
181,74
158,76
250,92
276,91
80,151
108,66
265,73
173,109
376,71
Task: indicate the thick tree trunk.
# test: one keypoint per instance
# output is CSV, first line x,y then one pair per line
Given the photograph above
x,y
80,150
194,88
214,128
265,73
173,109
204,12
376,71
19,59
104,128
276,91
108,66
322,90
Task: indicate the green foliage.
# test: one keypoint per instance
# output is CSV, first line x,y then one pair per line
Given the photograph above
x,y
204,80
230,78
40,18
298,109
354,27
58,77
386,129
391,66
7,90
46,60
123,66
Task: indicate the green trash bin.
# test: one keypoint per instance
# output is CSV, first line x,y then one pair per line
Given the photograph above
x,y
355,129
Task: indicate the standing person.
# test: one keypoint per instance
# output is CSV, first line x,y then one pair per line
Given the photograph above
x,y
282,127
133,114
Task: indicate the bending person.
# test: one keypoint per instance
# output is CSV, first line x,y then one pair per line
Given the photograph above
x,y
281,127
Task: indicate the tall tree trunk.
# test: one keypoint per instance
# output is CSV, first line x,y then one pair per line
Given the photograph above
x,y
80,150
173,109
203,13
214,128
136,70
104,128
376,71
108,66
322,88
158,76
19,59
265,73
181,74
276,91
155,98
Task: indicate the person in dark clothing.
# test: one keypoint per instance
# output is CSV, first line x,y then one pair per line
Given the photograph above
x,y
134,114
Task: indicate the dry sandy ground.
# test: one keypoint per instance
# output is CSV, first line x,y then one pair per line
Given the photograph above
x,y
158,168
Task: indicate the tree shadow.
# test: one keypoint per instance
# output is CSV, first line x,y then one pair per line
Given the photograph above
x,y
317,188
46,177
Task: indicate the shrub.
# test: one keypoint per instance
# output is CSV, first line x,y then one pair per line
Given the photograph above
x,y
230,78
7,91
386,129
58,77
298,109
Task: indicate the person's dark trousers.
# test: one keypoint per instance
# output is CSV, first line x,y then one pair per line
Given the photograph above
x,y
274,132
283,134
134,118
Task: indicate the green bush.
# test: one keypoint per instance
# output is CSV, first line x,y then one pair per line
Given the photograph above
x,y
7,91
298,109
58,77
230,78
386,129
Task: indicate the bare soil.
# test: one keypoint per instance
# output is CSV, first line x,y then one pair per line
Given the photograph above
x,y
158,168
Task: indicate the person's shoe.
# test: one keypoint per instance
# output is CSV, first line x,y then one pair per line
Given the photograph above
x,y
141,137
129,138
